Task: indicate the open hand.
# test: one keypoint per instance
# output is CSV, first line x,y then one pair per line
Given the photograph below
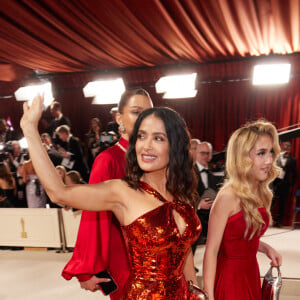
x,y
32,113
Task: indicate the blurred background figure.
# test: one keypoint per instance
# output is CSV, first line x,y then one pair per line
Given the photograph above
x,y
193,149
74,177
35,194
8,191
54,155
46,139
7,132
208,185
113,125
58,120
284,183
93,140
72,153
62,172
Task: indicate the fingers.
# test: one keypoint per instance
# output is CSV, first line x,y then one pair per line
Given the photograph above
x,y
276,261
91,289
25,106
103,280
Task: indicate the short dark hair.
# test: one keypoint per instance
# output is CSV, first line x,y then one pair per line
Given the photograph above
x,y
181,179
63,129
129,93
55,105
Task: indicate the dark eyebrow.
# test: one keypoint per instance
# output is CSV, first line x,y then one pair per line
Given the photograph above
x,y
154,133
159,133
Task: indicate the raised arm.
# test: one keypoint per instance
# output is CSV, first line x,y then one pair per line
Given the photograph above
x,y
88,197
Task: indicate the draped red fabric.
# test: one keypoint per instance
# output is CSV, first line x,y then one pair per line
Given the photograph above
x,y
69,36
143,40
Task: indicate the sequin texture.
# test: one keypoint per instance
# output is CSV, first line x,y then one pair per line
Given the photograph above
x,y
157,250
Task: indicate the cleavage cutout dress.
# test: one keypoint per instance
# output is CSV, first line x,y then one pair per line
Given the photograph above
x,y
237,273
157,251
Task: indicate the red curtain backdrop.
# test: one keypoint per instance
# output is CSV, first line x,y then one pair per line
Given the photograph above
x,y
70,36
143,40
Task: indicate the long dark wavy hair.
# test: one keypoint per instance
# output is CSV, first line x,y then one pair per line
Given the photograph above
x,y
181,179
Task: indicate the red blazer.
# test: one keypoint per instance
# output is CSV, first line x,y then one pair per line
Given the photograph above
x,y
100,244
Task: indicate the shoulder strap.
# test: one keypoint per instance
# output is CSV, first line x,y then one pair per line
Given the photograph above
x,y
150,190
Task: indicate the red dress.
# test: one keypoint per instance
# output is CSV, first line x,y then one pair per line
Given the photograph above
x,y
157,251
237,274
100,244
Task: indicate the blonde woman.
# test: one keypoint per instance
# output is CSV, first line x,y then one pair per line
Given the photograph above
x,y
241,214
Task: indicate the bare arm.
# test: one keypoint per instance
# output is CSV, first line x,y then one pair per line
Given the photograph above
x,y
88,197
222,208
189,268
276,259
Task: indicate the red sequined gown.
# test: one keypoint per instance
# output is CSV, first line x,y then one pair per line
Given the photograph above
x,y
237,274
157,251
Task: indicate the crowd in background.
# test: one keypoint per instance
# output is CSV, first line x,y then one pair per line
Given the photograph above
x,y
19,184
20,187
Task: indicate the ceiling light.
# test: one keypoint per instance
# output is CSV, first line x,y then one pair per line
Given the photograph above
x,y
177,86
27,93
180,94
271,74
105,91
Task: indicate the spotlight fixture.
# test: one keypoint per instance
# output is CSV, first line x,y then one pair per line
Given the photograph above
x,y
268,74
105,91
27,93
177,86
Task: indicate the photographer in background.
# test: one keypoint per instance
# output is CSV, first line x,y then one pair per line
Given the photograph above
x,y
92,140
7,133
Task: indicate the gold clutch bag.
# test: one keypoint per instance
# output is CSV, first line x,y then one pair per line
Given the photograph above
x,y
195,290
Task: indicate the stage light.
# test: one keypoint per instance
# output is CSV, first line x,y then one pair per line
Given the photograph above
x,y
105,91
177,86
268,74
27,93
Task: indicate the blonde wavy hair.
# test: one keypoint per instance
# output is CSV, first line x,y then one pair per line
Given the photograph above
x,y
238,167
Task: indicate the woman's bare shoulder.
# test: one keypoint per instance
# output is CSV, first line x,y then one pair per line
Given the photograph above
x,y
226,201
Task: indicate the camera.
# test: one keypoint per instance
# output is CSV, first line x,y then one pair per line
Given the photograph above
x,y
5,150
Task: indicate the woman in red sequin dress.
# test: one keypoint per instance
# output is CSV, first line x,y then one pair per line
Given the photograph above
x,y
241,214
152,203
100,245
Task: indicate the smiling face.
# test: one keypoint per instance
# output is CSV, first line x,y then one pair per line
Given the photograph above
x,y
262,156
152,145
